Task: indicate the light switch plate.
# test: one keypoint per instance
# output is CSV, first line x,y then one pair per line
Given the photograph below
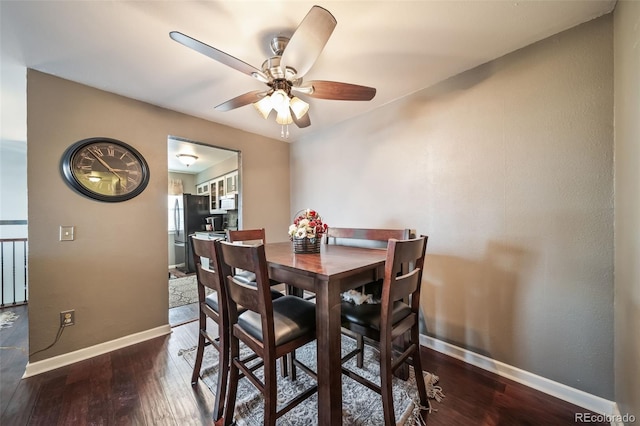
x,y
66,233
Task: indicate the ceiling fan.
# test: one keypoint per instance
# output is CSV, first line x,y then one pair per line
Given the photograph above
x,y
283,73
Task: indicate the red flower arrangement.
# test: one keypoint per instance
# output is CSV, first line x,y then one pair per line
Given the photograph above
x,y
307,224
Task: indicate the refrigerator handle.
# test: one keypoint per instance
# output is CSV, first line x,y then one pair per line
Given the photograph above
x,y
176,217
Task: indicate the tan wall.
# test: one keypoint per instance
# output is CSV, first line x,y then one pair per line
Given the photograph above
x,y
627,218
188,181
509,169
115,273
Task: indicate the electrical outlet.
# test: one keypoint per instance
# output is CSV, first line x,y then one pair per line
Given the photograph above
x,y
67,318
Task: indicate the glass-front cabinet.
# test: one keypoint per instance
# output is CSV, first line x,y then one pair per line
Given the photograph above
x,y
218,188
231,182
213,195
221,189
202,189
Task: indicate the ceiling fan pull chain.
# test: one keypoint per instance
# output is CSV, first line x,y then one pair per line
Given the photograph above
x,y
284,134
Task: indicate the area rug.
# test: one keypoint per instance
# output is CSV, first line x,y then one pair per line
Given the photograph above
x,y
360,406
183,291
7,318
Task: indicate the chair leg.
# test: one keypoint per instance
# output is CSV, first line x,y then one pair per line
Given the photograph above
x,y
291,357
386,377
417,369
270,392
199,352
360,347
223,376
284,363
234,375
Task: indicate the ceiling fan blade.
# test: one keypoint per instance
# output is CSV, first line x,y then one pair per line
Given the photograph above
x,y
303,122
335,90
242,100
218,55
308,40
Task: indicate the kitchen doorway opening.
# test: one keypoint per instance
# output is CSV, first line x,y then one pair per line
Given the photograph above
x,y
203,199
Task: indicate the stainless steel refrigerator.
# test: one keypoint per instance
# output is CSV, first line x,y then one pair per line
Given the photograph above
x,y
190,213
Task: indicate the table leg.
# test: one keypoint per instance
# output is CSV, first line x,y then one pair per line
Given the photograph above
x,y
329,371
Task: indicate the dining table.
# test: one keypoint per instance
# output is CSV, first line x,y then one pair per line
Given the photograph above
x,y
335,269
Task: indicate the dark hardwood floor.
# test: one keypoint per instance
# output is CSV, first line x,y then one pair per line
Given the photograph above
x,y
183,314
149,384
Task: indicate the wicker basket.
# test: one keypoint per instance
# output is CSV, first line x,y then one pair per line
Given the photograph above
x,y
306,245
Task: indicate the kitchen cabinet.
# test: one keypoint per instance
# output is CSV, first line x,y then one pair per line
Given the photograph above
x,y
215,186
231,183
220,187
202,189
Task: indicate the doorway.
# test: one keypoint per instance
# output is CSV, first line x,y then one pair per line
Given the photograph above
x,y
202,199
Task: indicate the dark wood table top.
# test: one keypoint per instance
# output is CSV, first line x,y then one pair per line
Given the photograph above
x,y
333,261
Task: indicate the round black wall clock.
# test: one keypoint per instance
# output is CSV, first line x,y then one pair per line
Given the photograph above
x,y
105,169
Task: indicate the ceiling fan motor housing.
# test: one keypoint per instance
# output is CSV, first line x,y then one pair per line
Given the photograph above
x,y
278,43
271,67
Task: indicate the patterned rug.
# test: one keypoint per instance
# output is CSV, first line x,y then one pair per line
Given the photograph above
x,y
7,318
360,406
183,291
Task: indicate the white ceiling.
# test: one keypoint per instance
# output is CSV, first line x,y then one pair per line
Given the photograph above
x,y
398,47
207,156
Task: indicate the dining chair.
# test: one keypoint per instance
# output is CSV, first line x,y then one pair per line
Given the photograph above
x,y
365,237
271,328
392,318
257,236
213,306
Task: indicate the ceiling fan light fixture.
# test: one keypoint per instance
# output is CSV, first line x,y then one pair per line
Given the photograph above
x,y
264,106
299,107
280,100
284,117
187,159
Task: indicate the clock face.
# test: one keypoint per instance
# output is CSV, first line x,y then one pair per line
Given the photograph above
x,y
105,169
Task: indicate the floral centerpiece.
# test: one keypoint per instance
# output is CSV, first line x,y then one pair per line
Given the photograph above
x,y
306,231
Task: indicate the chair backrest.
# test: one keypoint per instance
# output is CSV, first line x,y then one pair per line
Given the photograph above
x,y
364,237
397,284
210,275
207,273
257,235
254,298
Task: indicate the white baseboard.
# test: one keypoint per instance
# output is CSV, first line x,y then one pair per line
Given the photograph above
x,y
558,390
52,363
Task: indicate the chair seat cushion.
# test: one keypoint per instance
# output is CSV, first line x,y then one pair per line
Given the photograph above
x,y
245,277
212,301
368,315
292,317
